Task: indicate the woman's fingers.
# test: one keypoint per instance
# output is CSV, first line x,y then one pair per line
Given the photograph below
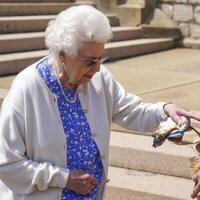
x,y
196,189
196,192
81,182
91,186
198,196
89,179
195,178
188,114
93,181
176,112
87,188
176,118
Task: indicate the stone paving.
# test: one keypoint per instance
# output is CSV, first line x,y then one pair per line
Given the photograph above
x,y
172,75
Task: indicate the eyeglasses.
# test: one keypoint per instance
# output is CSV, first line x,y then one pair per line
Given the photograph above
x,y
93,61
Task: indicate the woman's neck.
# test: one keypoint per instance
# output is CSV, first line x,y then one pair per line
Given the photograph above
x,y
60,74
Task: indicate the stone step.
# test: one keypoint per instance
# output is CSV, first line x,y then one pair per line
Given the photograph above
x,y
10,43
135,12
114,21
21,9
160,32
3,93
138,2
135,151
19,24
6,81
131,14
121,33
31,1
124,49
14,62
126,184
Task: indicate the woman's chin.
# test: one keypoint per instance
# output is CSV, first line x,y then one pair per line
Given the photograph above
x,y
85,80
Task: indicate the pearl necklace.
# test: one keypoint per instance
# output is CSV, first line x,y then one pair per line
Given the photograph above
x,y
62,90
63,93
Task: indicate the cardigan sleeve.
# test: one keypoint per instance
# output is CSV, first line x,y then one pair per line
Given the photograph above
x,y
130,111
17,171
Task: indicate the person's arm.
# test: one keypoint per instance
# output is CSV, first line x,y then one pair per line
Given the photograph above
x,y
17,171
130,111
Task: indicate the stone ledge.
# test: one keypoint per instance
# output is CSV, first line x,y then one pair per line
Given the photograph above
x,y
3,93
167,1
157,32
128,184
134,150
191,43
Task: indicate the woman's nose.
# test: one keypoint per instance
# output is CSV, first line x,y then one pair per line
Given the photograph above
x,y
97,67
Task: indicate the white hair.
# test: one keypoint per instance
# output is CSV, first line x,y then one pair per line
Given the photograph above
x,y
75,26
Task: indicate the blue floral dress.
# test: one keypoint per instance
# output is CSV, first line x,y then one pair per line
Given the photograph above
x,y
82,151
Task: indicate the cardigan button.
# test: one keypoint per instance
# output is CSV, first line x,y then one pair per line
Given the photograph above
x,y
103,157
85,111
94,134
54,98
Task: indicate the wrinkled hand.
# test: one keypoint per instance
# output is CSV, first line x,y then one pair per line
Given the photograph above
x,y
196,189
81,182
175,112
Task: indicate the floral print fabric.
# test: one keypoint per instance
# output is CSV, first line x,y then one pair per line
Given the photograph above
x,y
82,152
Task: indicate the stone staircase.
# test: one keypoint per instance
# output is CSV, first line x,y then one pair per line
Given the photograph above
x,y
22,28
140,172
137,171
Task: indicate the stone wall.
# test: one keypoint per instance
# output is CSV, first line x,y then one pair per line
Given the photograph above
x,y
186,13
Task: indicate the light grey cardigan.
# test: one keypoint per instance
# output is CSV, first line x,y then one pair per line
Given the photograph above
x,y
32,140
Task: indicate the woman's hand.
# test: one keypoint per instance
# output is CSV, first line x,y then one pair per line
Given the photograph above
x,y
196,189
81,182
175,112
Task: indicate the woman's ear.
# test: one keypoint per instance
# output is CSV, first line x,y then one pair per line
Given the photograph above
x,y
62,56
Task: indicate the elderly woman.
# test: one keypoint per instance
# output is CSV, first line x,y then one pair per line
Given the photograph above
x,y
55,121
